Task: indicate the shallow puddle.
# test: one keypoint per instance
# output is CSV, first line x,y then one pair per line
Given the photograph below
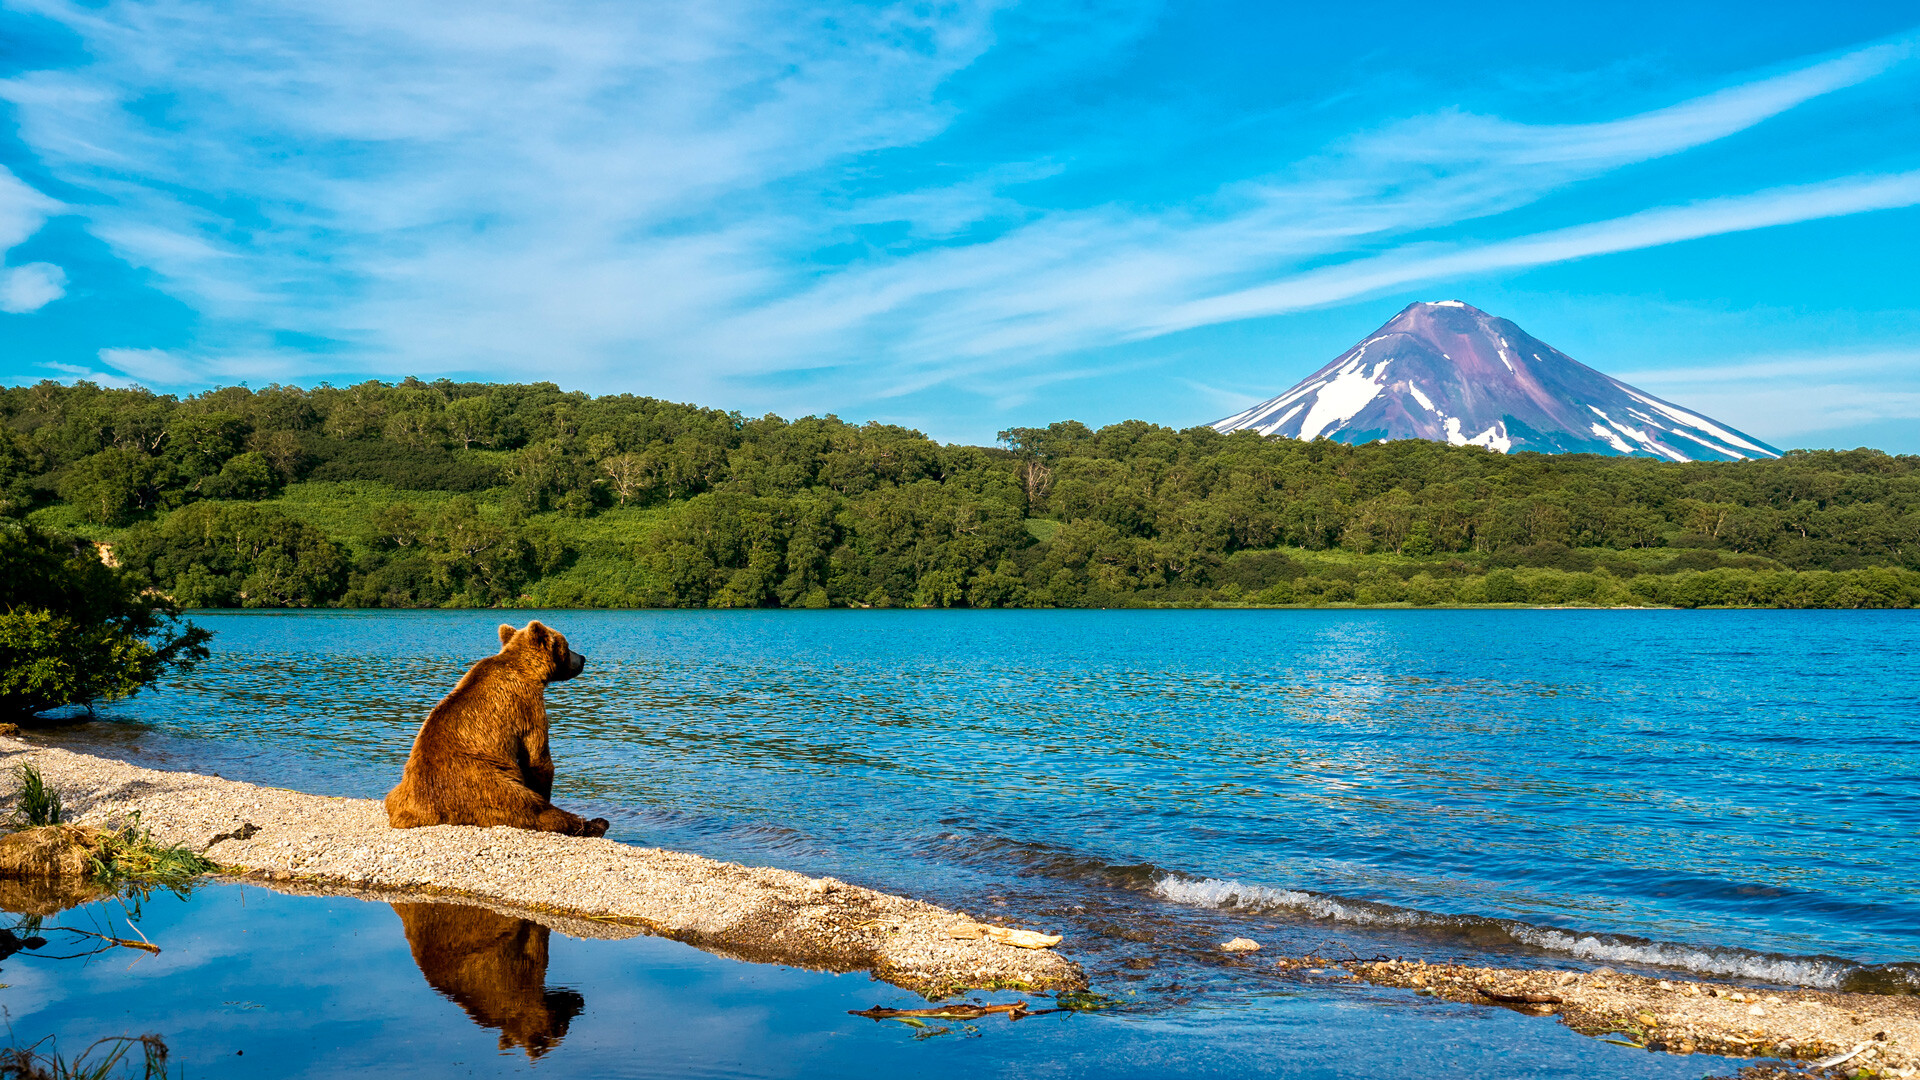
x,y
252,982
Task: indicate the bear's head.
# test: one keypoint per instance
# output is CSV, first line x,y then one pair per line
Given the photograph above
x,y
548,649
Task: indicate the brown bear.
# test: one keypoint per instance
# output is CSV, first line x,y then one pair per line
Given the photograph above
x,y
481,758
493,966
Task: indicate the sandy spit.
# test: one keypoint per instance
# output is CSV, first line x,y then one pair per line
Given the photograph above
x,y
301,842
1876,1035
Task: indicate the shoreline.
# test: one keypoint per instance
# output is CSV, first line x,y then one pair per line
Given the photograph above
x,y
301,842
1819,1033
600,889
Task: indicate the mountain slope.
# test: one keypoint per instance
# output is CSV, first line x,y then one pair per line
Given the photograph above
x,y
1453,373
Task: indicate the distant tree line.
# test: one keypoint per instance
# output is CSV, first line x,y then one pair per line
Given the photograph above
x,y
467,494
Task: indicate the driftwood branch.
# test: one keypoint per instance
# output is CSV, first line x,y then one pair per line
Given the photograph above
x,y
1520,999
1014,1011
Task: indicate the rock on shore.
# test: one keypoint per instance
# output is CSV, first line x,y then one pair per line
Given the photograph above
x,y
777,916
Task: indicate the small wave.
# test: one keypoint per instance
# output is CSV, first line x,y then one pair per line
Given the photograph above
x,y
1822,972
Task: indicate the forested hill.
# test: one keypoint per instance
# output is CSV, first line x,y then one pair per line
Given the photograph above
x,y
462,494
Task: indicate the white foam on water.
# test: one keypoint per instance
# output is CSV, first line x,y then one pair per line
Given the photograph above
x,y
1230,895
1739,963
1239,896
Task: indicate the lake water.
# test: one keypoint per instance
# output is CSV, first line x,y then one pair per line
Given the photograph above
x,y
1732,793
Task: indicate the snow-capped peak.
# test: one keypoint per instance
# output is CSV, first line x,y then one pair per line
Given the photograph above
x,y
1449,372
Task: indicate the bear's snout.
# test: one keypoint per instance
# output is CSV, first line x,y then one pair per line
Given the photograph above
x,y
574,666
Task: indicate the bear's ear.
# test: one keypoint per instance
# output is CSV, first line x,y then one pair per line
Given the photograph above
x,y
506,633
538,632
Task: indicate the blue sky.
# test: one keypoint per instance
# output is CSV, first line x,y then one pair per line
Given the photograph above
x,y
964,217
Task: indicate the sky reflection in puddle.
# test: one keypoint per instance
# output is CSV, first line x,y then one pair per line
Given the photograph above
x,y
253,982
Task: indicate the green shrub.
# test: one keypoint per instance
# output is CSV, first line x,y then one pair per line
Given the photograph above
x,y
1504,587
74,631
244,476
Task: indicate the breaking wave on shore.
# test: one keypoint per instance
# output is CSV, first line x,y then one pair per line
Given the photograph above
x,y
1821,972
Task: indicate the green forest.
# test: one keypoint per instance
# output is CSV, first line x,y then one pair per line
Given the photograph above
x,y
443,494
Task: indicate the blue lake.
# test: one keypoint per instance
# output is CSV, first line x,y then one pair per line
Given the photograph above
x,y
1733,793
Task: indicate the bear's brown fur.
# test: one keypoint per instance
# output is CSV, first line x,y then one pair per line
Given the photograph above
x,y
493,966
481,757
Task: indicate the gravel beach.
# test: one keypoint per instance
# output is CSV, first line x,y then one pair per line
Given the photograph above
x,y
297,842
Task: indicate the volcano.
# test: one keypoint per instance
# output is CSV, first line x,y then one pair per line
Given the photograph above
x,y
1452,373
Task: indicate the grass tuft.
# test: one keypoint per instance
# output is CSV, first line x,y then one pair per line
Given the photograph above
x,y
133,856
105,1058
34,803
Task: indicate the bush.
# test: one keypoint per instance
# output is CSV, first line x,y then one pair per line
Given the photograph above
x,y
74,631
408,469
244,476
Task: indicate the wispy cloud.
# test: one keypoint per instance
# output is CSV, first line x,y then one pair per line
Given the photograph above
x,y
1453,137
1070,281
31,287
1650,228
151,367
684,199
480,189
22,211
1792,396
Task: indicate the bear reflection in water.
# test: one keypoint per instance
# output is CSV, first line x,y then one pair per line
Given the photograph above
x,y
495,967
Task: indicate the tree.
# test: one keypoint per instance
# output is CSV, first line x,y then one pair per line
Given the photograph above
x,y
234,555
631,475
74,631
109,487
473,421
244,476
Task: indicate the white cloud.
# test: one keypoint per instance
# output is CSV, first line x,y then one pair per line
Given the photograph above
x,y
1456,137
1651,228
576,185
1069,281
1784,397
152,367
75,373
22,211
31,287
634,195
